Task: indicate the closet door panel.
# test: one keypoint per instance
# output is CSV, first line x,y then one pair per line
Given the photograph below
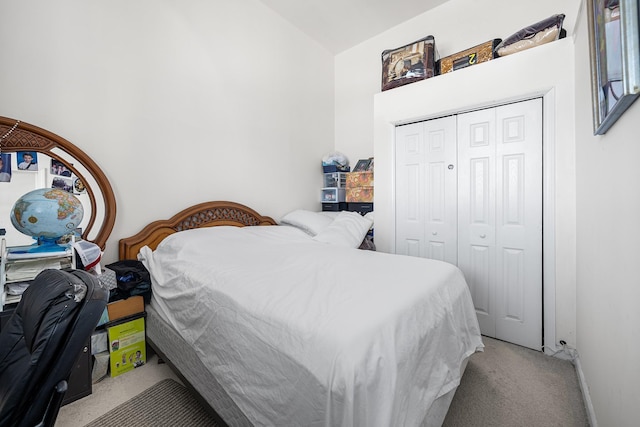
x,y
476,211
519,223
410,154
425,183
441,189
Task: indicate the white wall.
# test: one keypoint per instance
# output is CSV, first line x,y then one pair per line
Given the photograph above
x,y
608,284
179,102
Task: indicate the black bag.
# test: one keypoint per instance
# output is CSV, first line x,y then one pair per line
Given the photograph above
x,y
133,279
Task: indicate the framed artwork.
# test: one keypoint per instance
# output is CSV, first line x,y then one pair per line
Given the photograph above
x,y
615,59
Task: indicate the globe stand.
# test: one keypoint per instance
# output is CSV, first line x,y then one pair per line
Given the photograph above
x,y
42,245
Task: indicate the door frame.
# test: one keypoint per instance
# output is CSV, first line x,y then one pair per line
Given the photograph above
x,y
548,203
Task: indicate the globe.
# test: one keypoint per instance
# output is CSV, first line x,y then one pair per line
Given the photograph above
x,y
46,214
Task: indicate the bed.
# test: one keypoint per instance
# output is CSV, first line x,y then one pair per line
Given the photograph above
x,y
283,325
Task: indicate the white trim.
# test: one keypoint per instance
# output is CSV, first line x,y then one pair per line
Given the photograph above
x,y
586,396
548,219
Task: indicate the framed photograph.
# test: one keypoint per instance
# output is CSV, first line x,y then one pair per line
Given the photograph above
x,y
362,165
5,167
27,160
65,184
59,168
615,59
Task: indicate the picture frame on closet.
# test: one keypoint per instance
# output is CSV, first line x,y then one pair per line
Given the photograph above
x,y
614,43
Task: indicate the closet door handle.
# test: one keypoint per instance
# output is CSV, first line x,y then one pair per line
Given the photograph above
x,y
435,233
482,236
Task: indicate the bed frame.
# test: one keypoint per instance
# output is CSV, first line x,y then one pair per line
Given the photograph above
x,y
168,343
161,337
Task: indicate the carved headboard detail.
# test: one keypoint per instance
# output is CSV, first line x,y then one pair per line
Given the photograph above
x,y
207,214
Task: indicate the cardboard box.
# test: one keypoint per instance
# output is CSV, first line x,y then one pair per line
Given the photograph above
x,y
481,53
360,194
359,179
125,307
127,347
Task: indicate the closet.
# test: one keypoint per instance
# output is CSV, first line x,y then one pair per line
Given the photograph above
x,y
468,190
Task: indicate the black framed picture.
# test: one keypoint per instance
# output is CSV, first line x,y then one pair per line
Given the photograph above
x,y
362,165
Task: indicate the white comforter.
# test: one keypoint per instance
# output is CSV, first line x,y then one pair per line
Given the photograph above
x,y
303,333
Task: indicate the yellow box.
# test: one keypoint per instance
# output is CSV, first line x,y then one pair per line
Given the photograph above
x,y
359,179
360,194
125,307
127,348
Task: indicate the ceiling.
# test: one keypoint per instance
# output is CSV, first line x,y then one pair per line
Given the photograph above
x,y
341,24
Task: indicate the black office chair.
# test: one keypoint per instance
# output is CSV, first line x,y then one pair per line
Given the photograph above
x,y
42,342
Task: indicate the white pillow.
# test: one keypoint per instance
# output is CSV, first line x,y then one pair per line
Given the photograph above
x,y
369,216
330,214
309,222
348,229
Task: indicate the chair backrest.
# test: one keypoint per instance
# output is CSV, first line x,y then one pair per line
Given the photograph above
x,y
42,341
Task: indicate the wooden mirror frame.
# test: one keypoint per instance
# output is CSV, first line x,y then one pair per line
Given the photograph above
x,y
16,135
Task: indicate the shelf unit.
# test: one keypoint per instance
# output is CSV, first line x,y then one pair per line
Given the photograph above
x,y
18,265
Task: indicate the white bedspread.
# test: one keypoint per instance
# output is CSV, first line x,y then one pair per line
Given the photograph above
x,y
302,333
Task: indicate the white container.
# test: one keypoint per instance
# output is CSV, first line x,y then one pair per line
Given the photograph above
x,y
335,179
333,195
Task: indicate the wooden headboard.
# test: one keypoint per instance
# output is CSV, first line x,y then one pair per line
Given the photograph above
x,y
207,214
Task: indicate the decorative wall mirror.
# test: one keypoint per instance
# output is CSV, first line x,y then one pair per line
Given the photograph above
x,y
59,161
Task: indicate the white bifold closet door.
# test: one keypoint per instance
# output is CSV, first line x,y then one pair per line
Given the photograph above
x,y
469,192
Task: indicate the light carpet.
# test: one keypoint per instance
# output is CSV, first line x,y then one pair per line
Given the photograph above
x,y
165,404
512,386
506,385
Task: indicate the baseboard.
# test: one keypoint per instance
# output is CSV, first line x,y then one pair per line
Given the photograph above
x,y
591,414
